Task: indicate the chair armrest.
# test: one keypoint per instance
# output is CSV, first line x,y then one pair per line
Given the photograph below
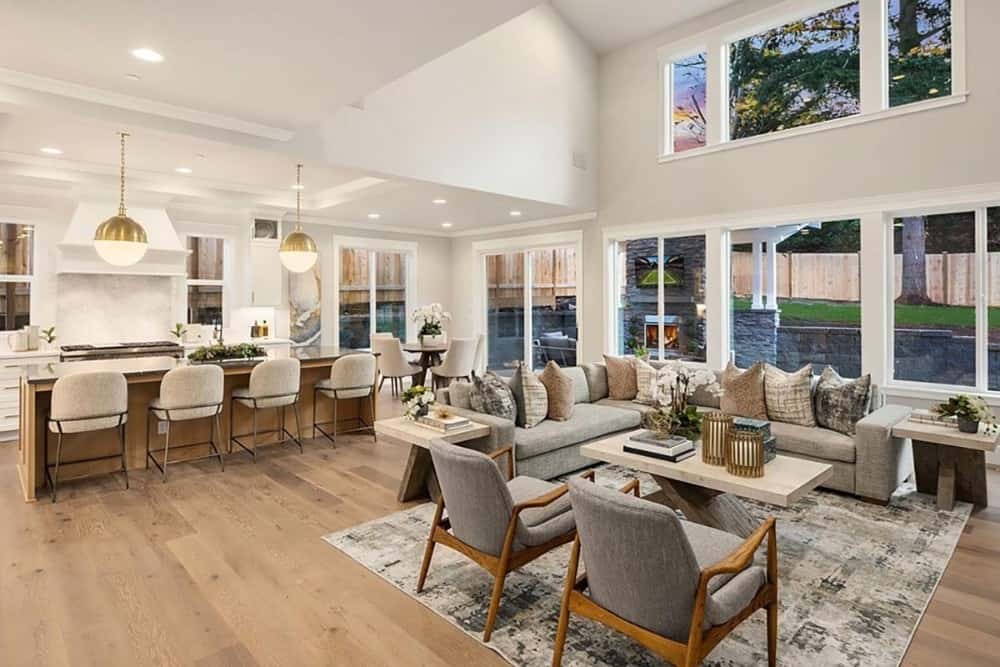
x,y
541,501
509,451
882,462
501,431
632,487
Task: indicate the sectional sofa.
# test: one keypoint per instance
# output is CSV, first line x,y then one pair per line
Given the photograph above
x,y
872,464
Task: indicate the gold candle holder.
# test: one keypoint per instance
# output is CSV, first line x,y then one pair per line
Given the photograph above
x,y
715,429
745,453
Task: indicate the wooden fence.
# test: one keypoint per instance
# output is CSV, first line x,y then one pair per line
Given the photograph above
x,y
355,278
553,275
951,278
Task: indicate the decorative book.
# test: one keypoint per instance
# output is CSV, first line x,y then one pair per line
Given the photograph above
x,y
669,448
445,424
636,448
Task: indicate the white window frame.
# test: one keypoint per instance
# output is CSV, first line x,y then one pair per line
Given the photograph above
x,y
527,245
197,282
874,85
373,247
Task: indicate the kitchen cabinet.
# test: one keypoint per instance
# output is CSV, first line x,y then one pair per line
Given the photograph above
x,y
12,367
265,273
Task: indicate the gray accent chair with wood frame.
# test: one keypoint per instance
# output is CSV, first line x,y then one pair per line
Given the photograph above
x,y
499,521
676,587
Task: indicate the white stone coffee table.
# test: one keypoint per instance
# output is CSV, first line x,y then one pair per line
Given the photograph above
x,y
706,494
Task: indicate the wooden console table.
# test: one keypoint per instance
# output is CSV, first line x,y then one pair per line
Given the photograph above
x,y
948,463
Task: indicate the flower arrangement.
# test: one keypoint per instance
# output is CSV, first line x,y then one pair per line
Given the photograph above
x,y
210,353
675,384
417,401
969,412
430,318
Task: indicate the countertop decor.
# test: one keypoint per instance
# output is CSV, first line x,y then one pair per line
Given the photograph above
x,y
214,353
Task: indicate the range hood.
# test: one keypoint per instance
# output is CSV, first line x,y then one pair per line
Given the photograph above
x,y
165,255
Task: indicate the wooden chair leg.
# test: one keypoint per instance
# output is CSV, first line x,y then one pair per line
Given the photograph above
x,y
429,550
772,634
574,561
491,616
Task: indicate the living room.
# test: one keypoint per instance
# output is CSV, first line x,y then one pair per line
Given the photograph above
x,y
570,332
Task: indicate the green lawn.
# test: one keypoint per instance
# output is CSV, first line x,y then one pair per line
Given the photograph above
x,y
833,312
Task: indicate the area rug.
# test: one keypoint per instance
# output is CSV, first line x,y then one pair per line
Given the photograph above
x,y
855,580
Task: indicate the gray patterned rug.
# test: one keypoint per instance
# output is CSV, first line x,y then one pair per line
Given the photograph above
x,y
855,580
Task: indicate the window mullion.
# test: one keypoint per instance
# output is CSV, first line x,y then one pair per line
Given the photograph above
x,y
716,94
982,303
659,297
529,278
372,292
874,56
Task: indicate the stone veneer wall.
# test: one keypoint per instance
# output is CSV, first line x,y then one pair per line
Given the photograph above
x,y
755,336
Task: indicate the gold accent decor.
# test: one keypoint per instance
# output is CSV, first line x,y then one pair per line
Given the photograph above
x,y
715,429
298,251
120,240
745,453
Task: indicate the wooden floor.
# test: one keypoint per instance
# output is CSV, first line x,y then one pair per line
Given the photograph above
x,y
229,569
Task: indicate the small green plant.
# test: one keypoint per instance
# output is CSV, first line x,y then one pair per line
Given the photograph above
x,y
49,335
685,423
417,401
223,352
178,331
970,409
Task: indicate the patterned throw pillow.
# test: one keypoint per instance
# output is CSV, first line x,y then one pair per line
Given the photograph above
x,y
743,392
645,380
840,403
531,397
559,387
788,395
622,384
492,396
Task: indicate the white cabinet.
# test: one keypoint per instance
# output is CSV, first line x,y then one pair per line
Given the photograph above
x,y
265,273
11,370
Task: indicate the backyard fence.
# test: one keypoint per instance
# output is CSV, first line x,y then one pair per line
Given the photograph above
x,y
951,277
355,276
553,275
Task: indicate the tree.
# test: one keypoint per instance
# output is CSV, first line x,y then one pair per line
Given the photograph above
x,y
914,273
919,50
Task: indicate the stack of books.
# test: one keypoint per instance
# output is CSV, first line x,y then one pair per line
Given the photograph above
x,y
763,427
443,424
931,417
669,448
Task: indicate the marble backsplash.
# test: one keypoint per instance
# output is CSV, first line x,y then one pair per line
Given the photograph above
x,y
106,308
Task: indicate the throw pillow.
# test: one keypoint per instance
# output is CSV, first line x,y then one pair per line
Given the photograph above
x,y
559,387
621,378
743,392
531,397
841,403
492,396
597,381
788,396
459,393
645,381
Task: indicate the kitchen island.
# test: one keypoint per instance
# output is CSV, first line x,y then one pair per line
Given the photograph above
x,y
143,375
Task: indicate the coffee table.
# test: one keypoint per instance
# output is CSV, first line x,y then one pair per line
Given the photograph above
x,y
706,494
418,479
947,462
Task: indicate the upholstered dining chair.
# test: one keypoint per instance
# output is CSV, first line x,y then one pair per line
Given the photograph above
x,y
351,377
393,364
499,521
273,384
82,403
458,362
677,588
479,363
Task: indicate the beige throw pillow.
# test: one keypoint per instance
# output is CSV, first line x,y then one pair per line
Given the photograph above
x,y
743,392
645,380
788,395
531,397
559,388
622,384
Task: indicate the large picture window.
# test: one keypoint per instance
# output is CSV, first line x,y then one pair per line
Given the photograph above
x,y
687,102
919,50
205,271
373,292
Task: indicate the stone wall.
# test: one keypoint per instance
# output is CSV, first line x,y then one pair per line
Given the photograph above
x,y
839,347
755,336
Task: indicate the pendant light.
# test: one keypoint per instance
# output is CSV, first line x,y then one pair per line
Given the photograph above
x,y
298,251
120,240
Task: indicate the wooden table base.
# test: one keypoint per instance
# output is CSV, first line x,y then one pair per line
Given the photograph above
x,y
951,473
706,506
418,477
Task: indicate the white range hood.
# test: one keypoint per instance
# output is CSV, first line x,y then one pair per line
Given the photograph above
x,y
165,255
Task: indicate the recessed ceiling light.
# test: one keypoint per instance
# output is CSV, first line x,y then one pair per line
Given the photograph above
x,y
48,150
374,216
298,186
515,214
439,202
183,170
147,55
132,76
446,225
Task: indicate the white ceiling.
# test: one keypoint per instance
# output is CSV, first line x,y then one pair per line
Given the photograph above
x,y
610,24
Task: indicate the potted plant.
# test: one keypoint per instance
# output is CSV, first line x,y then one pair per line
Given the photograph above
x,y
969,412
49,336
431,319
222,353
178,331
675,384
417,401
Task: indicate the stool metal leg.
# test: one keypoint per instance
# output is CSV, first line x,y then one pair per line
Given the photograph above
x,y
312,434
335,401
254,442
217,429
298,426
166,452
149,422
55,476
124,464
371,402
232,433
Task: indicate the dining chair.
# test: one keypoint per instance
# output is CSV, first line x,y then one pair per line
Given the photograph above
x,y
273,384
393,364
458,362
479,363
352,377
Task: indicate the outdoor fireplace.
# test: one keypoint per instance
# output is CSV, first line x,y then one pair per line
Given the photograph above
x,y
671,332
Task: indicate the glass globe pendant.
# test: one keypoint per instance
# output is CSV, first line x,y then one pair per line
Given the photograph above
x,y
120,240
298,250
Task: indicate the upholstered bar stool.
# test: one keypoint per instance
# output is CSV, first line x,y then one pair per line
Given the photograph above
x,y
273,384
351,377
82,403
187,393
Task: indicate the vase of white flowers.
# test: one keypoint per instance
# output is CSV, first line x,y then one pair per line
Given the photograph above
x,y
431,319
417,401
675,385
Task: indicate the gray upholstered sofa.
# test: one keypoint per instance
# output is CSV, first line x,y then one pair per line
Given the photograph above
x,y
872,464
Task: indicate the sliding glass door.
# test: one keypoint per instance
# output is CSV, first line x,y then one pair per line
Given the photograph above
x,y
373,294
355,298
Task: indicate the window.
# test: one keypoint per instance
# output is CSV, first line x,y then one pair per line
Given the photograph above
x,y
661,297
205,271
553,306
372,294
505,309
919,50
796,296
355,299
17,251
803,72
687,102
934,313
390,293
993,297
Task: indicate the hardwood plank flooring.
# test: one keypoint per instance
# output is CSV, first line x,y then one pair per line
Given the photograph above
x,y
228,568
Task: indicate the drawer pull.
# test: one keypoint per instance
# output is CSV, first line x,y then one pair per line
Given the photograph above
x,y
12,386
10,416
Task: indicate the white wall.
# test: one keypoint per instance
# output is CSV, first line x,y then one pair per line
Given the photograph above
x,y
503,113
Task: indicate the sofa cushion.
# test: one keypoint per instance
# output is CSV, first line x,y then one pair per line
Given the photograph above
x,y
589,421
459,393
743,391
646,378
493,396
626,405
813,441
531,397
597,380
581,389
621,378
559,387
841,403
788,395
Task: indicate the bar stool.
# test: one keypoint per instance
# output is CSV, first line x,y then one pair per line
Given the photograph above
x,y
83,403
273,384
351,376
187,393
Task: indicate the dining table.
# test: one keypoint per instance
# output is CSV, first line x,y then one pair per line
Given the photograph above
x,y
430,355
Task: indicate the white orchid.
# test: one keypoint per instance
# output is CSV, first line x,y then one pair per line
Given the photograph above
x,y
417,401
430,318
676,382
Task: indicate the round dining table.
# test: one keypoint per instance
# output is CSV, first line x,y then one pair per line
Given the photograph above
x,y
430,355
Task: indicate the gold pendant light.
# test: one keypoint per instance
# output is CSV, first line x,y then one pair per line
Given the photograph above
x,y
298,251
120,240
